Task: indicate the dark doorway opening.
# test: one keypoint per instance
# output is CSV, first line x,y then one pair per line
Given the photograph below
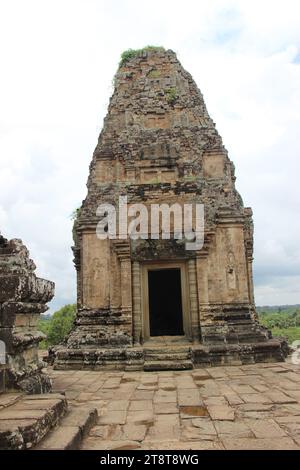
x,y
165,303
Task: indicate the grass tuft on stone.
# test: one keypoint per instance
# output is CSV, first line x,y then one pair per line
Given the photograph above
x,y
171,95
131,53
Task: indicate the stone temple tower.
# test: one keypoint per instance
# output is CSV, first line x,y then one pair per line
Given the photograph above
x,y
151,304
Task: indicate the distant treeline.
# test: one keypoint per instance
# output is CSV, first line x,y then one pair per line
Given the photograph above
x,y
282,320
277,308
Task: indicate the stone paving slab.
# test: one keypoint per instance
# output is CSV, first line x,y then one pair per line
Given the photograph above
x,y
253,406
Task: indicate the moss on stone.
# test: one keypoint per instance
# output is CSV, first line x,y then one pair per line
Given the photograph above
x,y
154,74
171,95
131,53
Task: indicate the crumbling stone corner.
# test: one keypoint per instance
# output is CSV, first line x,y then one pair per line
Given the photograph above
x,y
23,297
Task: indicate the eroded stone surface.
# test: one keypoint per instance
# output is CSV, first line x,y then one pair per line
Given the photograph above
x,y
23,297
26,421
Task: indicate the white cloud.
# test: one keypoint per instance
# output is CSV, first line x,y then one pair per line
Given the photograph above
x,y
58,58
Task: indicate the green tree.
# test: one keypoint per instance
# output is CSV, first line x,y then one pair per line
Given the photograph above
x,y
282,321
58,325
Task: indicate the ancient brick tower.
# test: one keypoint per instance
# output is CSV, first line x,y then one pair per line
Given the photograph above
x,y
152,304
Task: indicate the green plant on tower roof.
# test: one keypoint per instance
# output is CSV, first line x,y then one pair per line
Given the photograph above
x,y
131,53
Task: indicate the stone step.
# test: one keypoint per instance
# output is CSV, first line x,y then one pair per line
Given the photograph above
x,y
8,399
28,418
167,365
72,429
167,356
167,350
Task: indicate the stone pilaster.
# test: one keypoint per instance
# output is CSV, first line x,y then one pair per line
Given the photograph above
x,y
193,299
137,312
126,300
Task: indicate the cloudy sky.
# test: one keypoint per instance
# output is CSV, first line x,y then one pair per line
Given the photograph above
x,y
57,60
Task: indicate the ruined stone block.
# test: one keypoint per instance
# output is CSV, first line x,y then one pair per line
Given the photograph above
x,y
23,297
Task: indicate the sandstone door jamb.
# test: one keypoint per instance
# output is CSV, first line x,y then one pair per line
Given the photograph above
x,y
202,279
123,252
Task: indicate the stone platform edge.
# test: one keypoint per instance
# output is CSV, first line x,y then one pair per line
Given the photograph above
x,y
201,355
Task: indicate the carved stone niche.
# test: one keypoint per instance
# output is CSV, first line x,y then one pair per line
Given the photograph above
x,y
104,170
164,151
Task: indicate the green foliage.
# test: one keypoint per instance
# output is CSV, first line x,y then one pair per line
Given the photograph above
x,y
291,334
43,326
282,321
171,95
57,326
131,53
127,55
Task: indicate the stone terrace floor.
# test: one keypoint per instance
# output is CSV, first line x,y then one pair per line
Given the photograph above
x,y
238,407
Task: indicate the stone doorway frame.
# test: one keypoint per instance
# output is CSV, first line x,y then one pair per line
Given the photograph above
x,y
185,298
